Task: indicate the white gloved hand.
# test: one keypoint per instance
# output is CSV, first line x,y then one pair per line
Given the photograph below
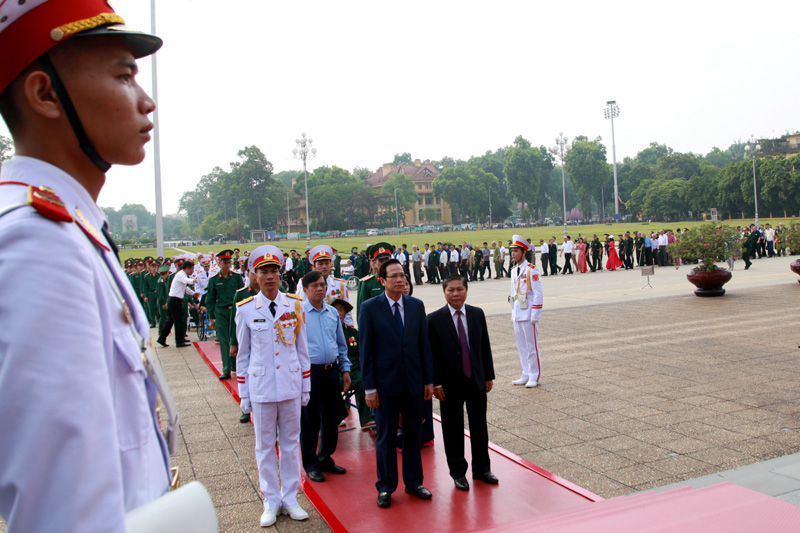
x,y
304,398
245,405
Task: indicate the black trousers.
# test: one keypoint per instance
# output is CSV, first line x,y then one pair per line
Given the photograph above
x,y
387,416
175,310
545,263
319,420
554,263
567,263
452,410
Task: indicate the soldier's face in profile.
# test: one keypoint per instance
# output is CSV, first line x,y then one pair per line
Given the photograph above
x,y
100,75
517,255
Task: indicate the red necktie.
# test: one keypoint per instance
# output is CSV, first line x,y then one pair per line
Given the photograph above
x,y
462,336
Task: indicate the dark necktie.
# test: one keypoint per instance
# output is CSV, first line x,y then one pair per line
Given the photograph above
x,y
272,308
517,271
111,242
397,318
462,336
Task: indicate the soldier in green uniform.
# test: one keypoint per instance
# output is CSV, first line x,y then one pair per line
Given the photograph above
x,y
351,337
629,246
219,301
748,245
162,295
136,279
149,286
337,264
597,248
370,286
243,295
477,264
364,268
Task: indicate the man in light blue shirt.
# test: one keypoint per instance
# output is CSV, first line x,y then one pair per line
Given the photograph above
x,y
648,250
327,350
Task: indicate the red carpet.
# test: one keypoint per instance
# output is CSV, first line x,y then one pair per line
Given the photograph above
x,y
347,503
528,498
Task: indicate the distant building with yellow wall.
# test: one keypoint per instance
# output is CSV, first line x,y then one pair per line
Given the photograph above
x,y
429,208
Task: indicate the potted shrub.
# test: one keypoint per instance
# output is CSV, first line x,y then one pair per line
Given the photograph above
x,y
708,244
790,238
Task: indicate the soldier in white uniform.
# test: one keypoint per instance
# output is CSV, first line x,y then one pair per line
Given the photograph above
x,y
526,309
80,442
337,288
273,371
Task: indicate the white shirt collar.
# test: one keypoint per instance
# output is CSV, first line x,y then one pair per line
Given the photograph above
x,y
453,310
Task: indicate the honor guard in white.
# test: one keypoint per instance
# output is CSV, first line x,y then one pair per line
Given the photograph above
x,y
526,309
273,371
322,261
80,442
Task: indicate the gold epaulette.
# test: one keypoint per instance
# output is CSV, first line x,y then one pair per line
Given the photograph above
x,y
365,278
295,296
249,298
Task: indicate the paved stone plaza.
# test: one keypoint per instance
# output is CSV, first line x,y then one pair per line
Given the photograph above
x,y
640,387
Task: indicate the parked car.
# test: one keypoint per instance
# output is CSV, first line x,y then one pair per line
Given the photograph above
x,y
372,232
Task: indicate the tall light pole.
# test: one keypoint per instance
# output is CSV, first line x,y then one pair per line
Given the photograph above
x,y
490,206
562,142
753,150
304,151
157,144
612,111
396,212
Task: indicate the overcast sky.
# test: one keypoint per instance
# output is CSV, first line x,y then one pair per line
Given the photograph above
x,y
369,79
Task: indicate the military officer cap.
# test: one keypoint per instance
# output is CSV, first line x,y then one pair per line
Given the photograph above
x,y
334,250
225,256
163,268
321,252
518,241
32,28
265,255
344,303
379,250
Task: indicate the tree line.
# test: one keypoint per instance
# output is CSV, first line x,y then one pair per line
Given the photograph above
x,y
521,180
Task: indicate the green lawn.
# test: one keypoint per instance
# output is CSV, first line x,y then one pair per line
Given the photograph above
x,y
345,244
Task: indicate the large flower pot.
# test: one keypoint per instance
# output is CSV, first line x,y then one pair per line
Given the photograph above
x,y
795,266
709,282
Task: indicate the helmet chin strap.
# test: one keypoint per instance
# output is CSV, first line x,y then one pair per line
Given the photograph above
x,y
85,144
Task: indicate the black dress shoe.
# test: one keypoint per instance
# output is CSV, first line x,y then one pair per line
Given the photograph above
x,y
223,377
315,475
487,477
245,418
162,343
334,469
461,483
420,492
183,345
384,500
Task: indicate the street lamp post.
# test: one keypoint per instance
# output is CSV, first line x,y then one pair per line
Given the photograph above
x,y
490,207
612,111
304,151
753,150
396,212
562,142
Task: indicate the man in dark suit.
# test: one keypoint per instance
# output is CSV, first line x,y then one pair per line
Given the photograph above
x,y
397,373
463,374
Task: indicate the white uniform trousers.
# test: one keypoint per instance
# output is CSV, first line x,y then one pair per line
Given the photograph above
x,y
279,420
528,346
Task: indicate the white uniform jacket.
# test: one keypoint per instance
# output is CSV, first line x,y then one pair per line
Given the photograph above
x,y
337,288
273,363
79,445
527,283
